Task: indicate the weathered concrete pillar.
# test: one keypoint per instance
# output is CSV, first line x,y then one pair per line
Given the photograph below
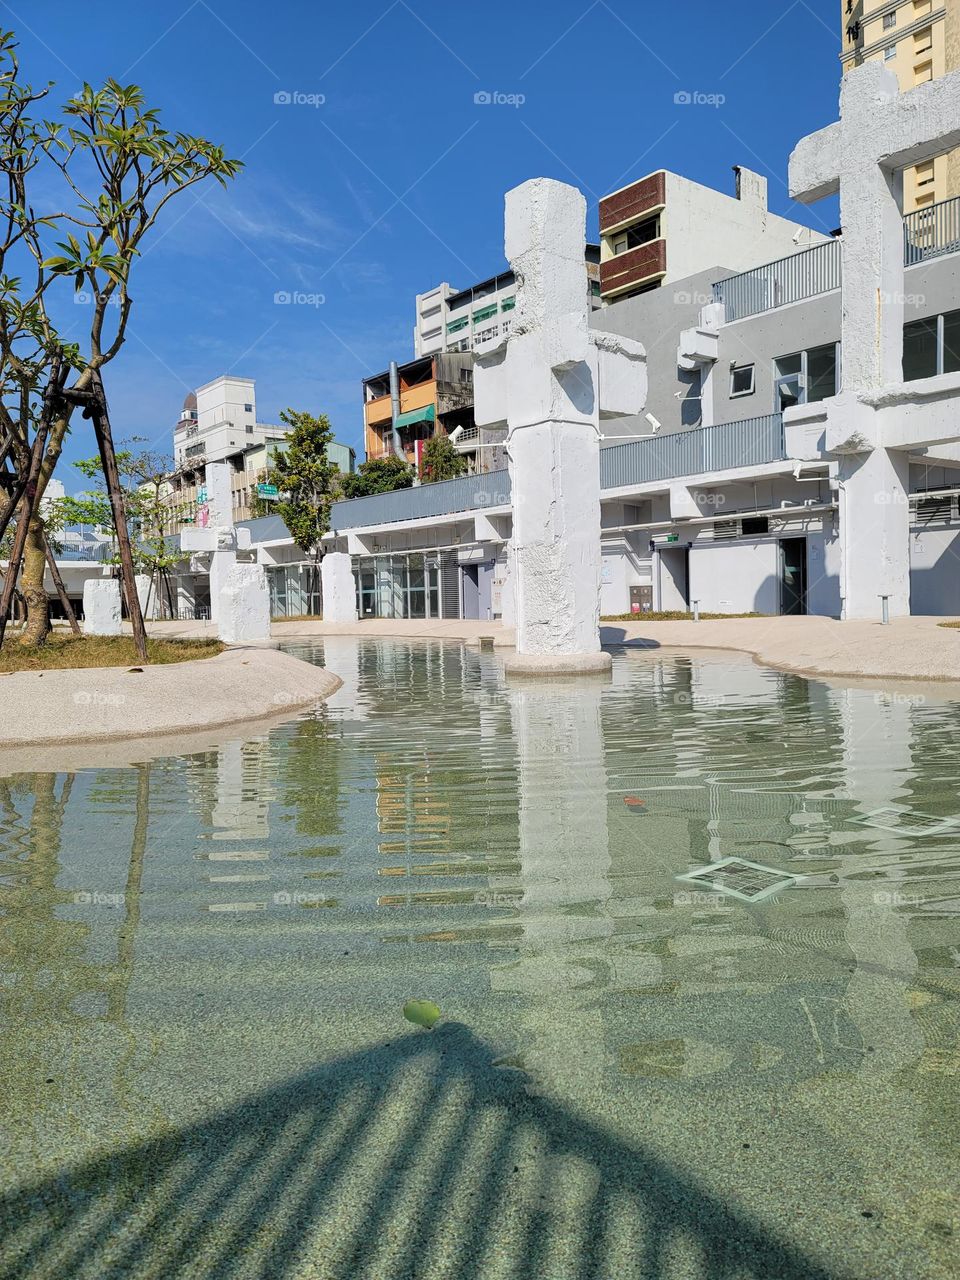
x,y
874,532
143,581
101,607
544,381
243,614
338,587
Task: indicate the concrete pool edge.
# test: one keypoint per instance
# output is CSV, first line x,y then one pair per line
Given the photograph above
x,y
113,704
908,649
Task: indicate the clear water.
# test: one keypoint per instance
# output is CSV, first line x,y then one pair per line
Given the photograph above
x,y
204,1068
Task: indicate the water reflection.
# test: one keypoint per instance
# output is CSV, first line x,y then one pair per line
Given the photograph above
x,y
180,933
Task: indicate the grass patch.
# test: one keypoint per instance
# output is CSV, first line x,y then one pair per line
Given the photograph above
x,y
62,652
676,615
297,617
951,626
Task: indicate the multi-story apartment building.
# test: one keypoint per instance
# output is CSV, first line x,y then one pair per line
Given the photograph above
x,y
218,423
431,394
451,319
919,40
664,228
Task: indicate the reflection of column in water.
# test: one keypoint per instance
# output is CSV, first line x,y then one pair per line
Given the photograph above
x,y
242,792
341,655
564,868
876,764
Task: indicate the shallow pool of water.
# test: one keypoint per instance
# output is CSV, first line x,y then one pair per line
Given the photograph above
x,y
755,1072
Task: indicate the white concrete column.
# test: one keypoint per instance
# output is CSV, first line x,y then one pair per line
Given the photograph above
x,y
555,470
101,607
338,588
244,606
874,533
144,594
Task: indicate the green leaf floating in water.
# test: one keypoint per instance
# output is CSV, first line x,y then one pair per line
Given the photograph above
x,y
422,1013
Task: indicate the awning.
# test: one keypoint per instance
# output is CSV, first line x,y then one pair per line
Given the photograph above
x,y
427,414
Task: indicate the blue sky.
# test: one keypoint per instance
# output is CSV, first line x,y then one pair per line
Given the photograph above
x,y
396,180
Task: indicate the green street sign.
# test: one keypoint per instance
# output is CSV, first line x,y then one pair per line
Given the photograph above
x,y
267,491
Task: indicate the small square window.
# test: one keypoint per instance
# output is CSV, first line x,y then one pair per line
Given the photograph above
x,y
923,40
751,526
925,174
889,52
248,408
889,20
923,72
741,380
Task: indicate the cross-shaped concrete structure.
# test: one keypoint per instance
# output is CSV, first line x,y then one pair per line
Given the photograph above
x,y
876,420
550,381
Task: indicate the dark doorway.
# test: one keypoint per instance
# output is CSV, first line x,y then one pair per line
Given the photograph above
x,y
793,575
674,578
470,577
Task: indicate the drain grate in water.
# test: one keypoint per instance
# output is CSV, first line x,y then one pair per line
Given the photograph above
x,y
748,881
906,822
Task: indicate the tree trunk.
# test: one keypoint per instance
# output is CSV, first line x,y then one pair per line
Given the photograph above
x,y
65,604
31,585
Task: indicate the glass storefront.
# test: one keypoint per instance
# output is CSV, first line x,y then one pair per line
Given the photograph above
x,y
400,586
294,590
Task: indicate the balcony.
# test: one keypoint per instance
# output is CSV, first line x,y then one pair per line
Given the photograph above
x,y
638,266
776,284
633,202
426,501
930,233
927,234
749,442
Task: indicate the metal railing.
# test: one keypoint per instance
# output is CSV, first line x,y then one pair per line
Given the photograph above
x,y
426,501
749,442
775,284
930,233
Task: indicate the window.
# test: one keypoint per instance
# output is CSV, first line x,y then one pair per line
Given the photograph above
x,y
922,7
923,72
889,52
821,372
641,233
750,526
923,40
594,288
466,377
806,376
741,380
508,304
925,174
484,313
456,325
889,20
248,408
931,346
249,428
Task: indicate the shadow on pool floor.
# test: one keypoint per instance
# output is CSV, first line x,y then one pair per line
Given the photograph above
x,y
417,1158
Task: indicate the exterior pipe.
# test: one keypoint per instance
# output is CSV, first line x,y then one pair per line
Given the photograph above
x,y
395,408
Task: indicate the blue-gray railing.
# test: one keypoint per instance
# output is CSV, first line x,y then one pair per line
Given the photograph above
x,y
447,497
931,232
775,284
748,442
927,233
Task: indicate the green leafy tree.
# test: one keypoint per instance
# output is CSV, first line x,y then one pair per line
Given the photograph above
x,y
112,168
377,475
309,483
440,461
